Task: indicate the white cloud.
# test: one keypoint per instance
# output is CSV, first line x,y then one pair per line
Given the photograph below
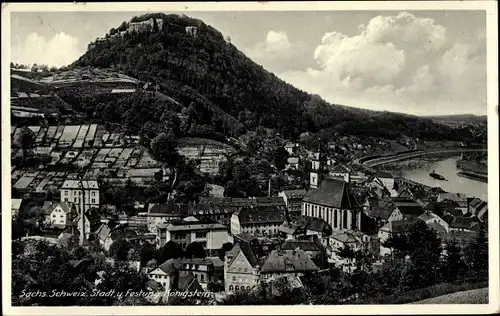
x,y
276,50
60,50
398,63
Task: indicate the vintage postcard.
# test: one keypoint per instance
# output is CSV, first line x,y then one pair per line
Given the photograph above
x,y
250,158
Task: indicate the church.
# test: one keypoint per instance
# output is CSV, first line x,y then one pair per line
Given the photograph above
x,y
331,198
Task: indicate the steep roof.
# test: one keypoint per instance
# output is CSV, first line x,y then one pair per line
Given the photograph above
x,y
305,245
168,209
311,223
396,227
332,193
461,222
189,283
247,251
294,194
170,266
261,214
409,208
288,261
382,211
427,216
344,236
49,206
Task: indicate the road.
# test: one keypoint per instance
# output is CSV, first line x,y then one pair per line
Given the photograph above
x,y
404,156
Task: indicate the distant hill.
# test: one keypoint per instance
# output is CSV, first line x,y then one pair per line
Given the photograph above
x,y
459,119
223,91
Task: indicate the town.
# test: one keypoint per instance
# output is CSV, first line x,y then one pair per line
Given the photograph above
x,y
244,218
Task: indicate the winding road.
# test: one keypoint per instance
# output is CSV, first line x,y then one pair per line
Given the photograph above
x,y
377,161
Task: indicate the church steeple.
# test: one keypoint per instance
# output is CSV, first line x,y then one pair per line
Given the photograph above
x,y
318,167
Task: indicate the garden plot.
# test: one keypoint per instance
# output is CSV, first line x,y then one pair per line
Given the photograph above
x,y
147,161
41,135
124,156
101,156
89,139
115,153
49,136
69,135
80,138
23,182
59,132
98,139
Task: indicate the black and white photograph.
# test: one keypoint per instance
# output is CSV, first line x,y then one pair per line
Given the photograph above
x,y
215,155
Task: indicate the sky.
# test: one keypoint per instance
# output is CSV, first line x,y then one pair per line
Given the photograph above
x,y
416,62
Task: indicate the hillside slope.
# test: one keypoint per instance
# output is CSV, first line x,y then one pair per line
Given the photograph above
x,y
478,296
226,87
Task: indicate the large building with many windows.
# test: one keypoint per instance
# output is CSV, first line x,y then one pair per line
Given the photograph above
x,y
82,193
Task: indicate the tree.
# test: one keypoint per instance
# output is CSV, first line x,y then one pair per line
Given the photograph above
x,y
225,248
195,250
477,253
164,149
170,250
155,26
454,266
280,158
119,249
25,139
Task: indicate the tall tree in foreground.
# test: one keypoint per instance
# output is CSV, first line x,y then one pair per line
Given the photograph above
x,y
164,149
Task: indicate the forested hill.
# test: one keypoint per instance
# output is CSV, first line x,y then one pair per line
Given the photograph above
x,y
206,72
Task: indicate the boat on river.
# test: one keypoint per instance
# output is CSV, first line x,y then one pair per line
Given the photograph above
x,y
437,176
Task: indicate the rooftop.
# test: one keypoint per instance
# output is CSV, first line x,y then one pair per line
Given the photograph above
x,y
77,184
288,261
261,214
332,193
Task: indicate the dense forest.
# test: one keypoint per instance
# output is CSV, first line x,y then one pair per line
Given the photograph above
x,y
230,93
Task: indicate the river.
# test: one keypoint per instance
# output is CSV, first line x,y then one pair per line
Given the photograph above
x,y
418,170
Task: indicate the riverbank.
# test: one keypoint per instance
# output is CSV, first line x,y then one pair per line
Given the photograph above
x,y
472,167
473,176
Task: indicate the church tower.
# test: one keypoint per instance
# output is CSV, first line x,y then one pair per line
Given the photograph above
x,y
318,167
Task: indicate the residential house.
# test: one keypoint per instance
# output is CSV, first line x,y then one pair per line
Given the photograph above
x,y
15,206
92,221
390,229
258,219
334,202
461,223
215,190
428,217
353,240
459,198
260,244
312,247
58,214
292,163
408,208
339,170
291,148
306,226
287,262
384,211
82,193
477,207
159,213
241,268
293,201
169,276
211,235
201,269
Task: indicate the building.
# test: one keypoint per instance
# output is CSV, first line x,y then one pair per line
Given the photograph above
x,y
477,207
428,217
292,163
459,198
293,201
287,263
144,26
159,213
335,203
318,168
291,148
16,206
211,235
82,193
343,239
312,247
306,226
171,277
460,223
391,229
409,209
258,219
201,269
241,268
384,211
58,214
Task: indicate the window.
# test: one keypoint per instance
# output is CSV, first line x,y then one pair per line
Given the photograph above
x,y
66,199
93,201
66,192
202,277
248,288
61,216
246,270
53,215
234,278
93,193
237,288
230,288
201,235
